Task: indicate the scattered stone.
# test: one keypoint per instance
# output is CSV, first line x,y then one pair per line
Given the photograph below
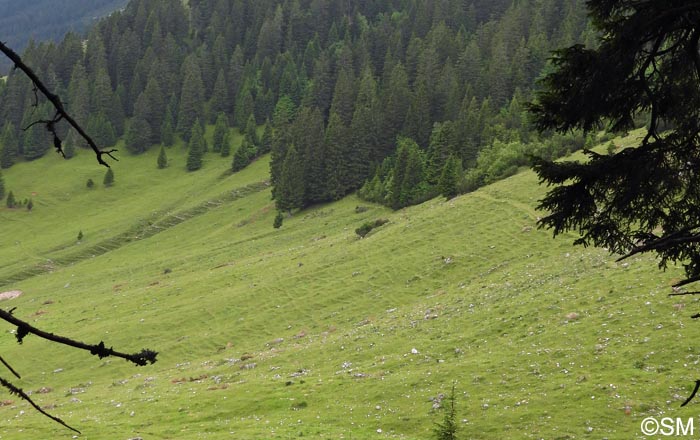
x,y
10,294
573,316
277,341
414,351
58,370
249,366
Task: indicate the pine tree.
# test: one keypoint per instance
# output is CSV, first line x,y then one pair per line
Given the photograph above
x,y
2,186
251,133
137,138
8,146
220,133
266,139
290,189
338,148
191,98
640,199
167,134
219,102
11,202
226,145
448,185
279,219
109,178
30,205
196,147
447,430
241,157
162,158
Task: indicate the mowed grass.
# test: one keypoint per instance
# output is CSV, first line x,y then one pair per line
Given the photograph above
x,y
308,331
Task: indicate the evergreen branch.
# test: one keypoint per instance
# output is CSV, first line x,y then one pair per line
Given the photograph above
x,y
21,394
663,243
58,105
143,357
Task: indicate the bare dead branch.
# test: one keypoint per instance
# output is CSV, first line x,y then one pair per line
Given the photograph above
x,y
684,293
10,368
58,105
18,392
695,390
143,357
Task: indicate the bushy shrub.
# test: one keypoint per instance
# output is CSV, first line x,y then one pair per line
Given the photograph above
x,y
365,229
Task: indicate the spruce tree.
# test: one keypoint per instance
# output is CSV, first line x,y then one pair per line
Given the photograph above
x,y
162,158
338,147
30,205
251,133
137,138
266,139
8,146
279,219
220,133
109,178
448,185
226,145
196,147
641,199
191,98
2,186
167,132
241,157
290,189
10,202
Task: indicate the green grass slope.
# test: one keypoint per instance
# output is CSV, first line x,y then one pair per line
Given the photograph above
x,y
308,331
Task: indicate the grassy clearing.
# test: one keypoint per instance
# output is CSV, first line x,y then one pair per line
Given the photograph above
x,y
311,331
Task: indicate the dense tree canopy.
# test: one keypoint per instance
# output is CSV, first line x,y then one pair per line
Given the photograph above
x,y
647,67
342,81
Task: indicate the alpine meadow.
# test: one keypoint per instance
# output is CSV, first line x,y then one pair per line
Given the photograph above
x,y
317,219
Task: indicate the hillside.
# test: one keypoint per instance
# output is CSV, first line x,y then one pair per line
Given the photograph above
x,y
310,331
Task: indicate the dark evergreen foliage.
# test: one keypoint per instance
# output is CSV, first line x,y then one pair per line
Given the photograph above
x,y
636,200
384,69
162,161
10,202
109,178
279,219
196,147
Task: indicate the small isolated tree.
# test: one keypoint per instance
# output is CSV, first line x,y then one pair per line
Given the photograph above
x,y
447,430
90,183
30,205
109,178
196,147
279,219
80,235
11,202
162,159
